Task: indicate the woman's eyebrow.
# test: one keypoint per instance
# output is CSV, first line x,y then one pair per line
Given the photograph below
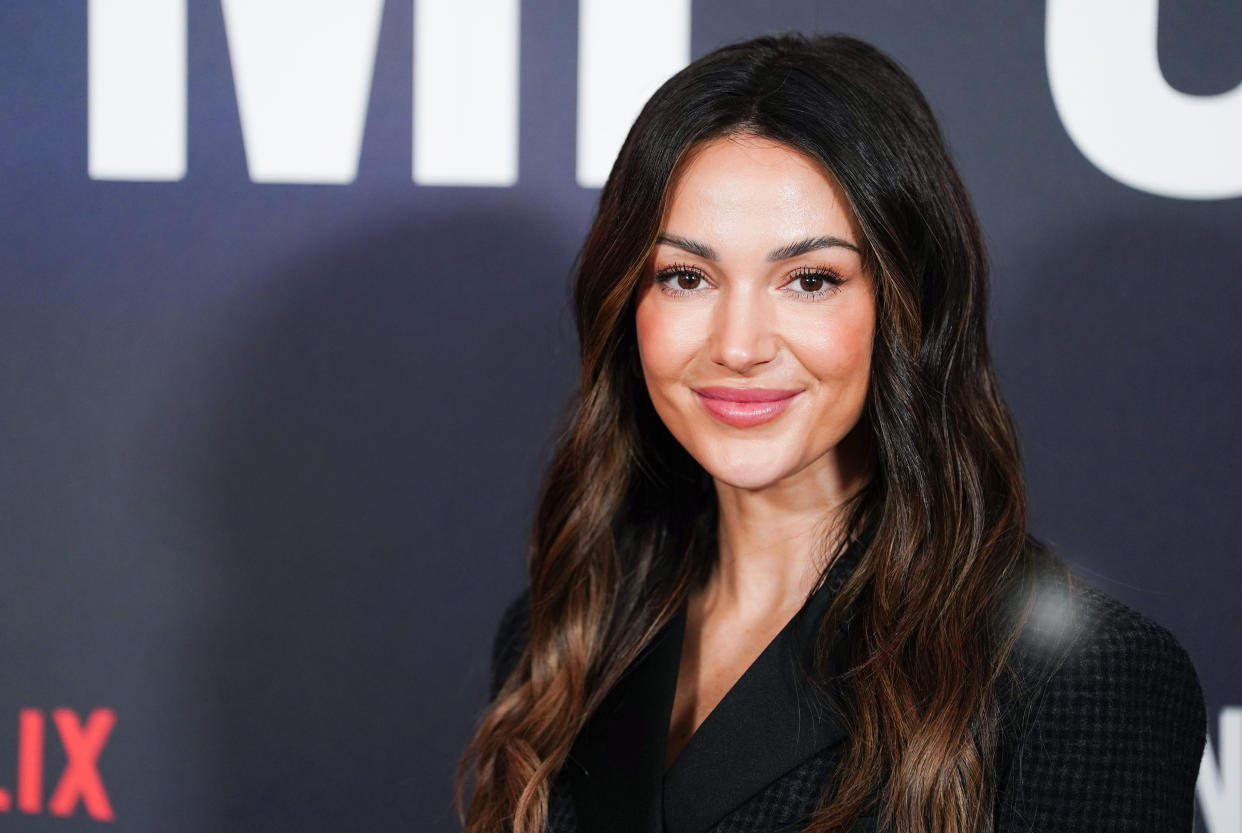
x,y
800,247
693,247
810,245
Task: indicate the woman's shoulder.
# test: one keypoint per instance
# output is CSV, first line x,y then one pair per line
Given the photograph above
x,y
1077,631
512,633
1111,724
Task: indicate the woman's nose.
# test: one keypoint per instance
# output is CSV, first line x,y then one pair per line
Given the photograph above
x,y
743,330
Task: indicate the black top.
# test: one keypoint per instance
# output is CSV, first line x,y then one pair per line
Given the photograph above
x,y
1111,742
696,789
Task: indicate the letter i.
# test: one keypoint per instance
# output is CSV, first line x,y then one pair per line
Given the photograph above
x,y
30,761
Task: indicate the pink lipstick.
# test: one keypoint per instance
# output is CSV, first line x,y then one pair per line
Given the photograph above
x,y
744,407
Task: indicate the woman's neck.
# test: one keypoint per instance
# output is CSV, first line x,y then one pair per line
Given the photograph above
x,y
774,542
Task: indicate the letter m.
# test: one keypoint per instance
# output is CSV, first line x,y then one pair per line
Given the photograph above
x,y
302,71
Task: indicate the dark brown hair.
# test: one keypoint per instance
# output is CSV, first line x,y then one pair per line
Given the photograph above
x,y
626,519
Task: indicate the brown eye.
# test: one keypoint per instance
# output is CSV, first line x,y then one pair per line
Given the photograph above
x,y
814,284
687,280
680,280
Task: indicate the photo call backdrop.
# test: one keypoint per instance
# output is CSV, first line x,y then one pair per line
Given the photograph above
x,y
284,342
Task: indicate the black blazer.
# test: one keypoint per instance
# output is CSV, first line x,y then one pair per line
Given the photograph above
x,y
1108,738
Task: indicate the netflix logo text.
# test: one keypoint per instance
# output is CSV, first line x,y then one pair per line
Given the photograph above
x,y
79,788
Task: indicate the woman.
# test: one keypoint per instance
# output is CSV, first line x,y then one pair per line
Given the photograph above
x,y
780,576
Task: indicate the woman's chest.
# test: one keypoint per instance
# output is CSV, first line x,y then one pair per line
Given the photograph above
x,y
782,806
717,650
759,761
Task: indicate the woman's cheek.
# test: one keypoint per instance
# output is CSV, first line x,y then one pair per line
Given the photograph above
x,y
666,340
843,350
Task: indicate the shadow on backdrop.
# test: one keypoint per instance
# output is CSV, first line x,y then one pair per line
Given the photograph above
x,y
379,437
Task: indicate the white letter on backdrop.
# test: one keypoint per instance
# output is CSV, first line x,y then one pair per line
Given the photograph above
x,y
1122,114
136,79
1220,785
625,52
466,92
302,69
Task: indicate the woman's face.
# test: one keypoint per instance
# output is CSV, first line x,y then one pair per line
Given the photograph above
x,y
756,290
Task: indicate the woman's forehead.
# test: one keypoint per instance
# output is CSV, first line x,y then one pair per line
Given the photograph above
x,y
743,191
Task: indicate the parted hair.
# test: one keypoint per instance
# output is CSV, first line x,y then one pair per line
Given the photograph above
x,y
626,520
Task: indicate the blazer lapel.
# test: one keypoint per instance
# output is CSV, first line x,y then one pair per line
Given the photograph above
x,y
616,764
770,721
766,724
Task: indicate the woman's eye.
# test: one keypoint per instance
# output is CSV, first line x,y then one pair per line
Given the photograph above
x,y
679,280
687,280
814,284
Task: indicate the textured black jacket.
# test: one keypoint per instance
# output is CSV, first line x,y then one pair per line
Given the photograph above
x,y
1108,738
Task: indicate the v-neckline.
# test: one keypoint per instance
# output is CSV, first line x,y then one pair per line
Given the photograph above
x,y
781,637
768,722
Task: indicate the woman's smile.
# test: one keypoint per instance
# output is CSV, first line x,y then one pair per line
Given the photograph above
x,y
745,407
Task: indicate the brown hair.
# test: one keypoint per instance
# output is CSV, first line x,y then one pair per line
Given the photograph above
x,y
626,519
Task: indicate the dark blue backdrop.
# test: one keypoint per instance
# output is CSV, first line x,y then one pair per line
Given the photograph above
x,y
268,452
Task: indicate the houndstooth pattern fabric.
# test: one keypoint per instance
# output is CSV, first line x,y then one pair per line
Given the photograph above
x,y
784,805
785,801
1118,735
1112,740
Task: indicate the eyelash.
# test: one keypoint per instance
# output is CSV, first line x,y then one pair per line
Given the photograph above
x,y
831,278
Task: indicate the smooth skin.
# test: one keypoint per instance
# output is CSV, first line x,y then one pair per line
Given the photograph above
x,y
758,280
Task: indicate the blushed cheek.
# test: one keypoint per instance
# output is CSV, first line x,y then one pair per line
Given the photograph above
x,y
661,365
665,343
653,353
645,329
841,358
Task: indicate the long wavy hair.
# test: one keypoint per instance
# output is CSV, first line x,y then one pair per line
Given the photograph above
x,y
626,520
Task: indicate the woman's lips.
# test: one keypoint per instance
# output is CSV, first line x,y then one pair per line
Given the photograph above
x,y
744,407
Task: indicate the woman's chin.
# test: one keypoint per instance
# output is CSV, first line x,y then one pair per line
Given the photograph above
x,y
752,478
